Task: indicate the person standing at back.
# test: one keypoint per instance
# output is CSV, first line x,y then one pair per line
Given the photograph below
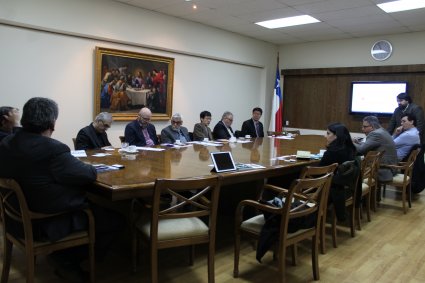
x,y
202,130
94,135
253,126
406,106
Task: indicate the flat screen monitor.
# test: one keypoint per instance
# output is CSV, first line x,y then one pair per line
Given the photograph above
x,y
375,98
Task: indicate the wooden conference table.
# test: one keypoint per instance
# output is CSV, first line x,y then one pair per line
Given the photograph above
x,y
142,169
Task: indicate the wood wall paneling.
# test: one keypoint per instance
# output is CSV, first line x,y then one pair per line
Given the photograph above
x,y
314,98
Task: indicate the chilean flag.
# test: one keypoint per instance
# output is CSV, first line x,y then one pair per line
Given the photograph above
x,y
276,114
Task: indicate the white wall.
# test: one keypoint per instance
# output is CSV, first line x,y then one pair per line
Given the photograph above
x,y
48,50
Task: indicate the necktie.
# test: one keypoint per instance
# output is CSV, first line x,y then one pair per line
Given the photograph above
x,y
256,128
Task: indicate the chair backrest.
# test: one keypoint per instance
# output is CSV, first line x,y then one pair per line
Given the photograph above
x,y
317,171
12,194
122,138
311,194
74,141
411,161
203,202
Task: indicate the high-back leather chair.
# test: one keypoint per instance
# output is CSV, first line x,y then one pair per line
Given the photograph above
x,y
309,195
22,216
178,223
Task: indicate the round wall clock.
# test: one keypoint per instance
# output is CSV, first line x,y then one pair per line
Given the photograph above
x,y
381,50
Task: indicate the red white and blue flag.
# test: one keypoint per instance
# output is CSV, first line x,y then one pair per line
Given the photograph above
x,y
276,114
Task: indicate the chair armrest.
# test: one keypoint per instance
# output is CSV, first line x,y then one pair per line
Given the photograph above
x,y
388,166
276,189
254,204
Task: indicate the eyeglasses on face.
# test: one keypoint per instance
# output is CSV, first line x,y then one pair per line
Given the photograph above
x,y
106,125
145,118
177,122
366,126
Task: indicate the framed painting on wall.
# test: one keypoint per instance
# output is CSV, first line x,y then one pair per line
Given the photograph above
x,y
126,81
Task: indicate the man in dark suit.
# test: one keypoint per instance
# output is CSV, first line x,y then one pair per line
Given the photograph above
x,y
94,135
378,139
223,129
141,132
202,129
52,180
253,126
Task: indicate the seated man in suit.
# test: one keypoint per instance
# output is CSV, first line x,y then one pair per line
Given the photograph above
x,y
201,130
175,131
223,129
9,121
406,136
52,180
94,135
253,126
380,140
141,132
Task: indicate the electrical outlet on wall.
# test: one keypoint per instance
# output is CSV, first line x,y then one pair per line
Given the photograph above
x,y
286,123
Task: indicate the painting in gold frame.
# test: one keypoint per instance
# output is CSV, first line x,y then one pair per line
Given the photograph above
x,y
126,81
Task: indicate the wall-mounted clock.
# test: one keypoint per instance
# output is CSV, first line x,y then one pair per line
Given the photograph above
x,y
381,50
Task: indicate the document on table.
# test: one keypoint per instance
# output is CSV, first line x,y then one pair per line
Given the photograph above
x,y
78,153
149,148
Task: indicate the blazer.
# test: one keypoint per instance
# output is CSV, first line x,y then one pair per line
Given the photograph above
x,y
200,131
134,136
380,140
88,138
248,128
168,135
51,179
220,131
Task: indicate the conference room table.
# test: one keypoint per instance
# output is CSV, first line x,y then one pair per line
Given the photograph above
x,y
141,169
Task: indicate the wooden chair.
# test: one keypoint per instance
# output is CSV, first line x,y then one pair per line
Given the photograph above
x,y
350,203
311,203
31,247
122,138
159,138
369,177
314,172
74,141
179,224
402,180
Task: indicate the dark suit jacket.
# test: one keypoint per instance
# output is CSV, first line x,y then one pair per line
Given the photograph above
x,y
168,135
52,179
248,128
134,136
88,138
220,131
200,131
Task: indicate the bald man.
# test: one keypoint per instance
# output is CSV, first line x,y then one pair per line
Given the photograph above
x,y
141,132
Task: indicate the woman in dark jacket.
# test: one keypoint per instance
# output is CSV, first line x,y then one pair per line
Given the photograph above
x,y
340,149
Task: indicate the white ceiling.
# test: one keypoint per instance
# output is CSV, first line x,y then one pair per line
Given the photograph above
x,y
340,19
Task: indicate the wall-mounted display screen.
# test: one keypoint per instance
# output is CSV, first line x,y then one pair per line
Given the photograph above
x,y
375,98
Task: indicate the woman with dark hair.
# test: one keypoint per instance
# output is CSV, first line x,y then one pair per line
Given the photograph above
x,y
340,149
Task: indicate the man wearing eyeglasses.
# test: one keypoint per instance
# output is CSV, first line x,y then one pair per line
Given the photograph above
x,y
94,135
377,138
223,129
141,132
175,131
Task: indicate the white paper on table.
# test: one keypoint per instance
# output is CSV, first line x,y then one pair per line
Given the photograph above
x,y
284,138
149,148
78,153
101,154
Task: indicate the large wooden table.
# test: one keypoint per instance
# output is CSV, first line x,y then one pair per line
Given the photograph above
x,y
142,169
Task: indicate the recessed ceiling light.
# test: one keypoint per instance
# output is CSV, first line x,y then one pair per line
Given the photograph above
x,y
401,5
187,0
287,22
194,7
